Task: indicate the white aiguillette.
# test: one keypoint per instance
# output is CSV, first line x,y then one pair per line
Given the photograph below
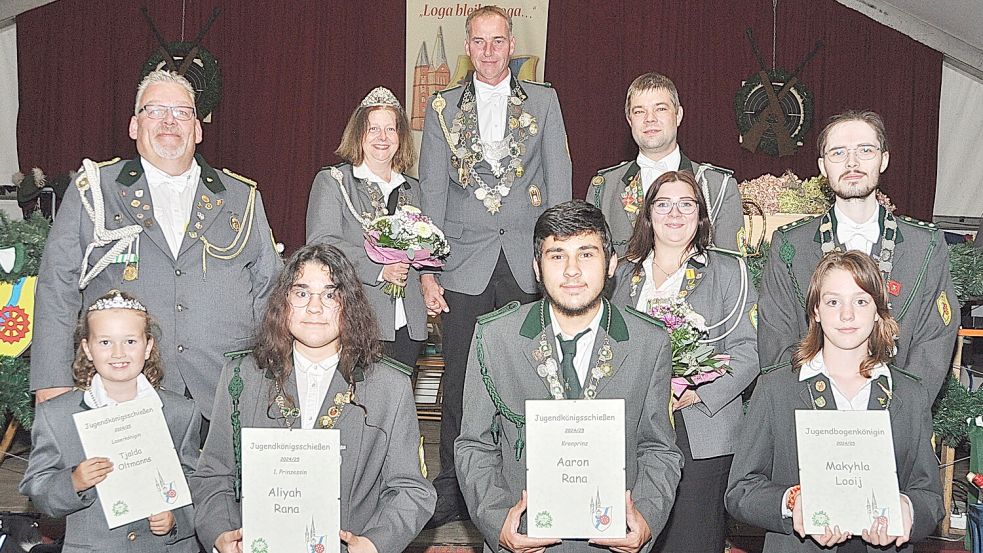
x,y
291,482
847,471
147,477
575,468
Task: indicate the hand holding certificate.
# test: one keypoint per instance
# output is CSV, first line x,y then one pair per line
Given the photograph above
x,y
848,474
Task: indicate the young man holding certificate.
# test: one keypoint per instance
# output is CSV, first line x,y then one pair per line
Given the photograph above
x,y
839,366
572,344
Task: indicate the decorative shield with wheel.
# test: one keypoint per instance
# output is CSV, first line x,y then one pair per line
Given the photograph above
x,y
17,315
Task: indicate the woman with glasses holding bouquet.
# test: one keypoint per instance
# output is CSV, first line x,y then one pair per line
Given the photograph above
x,y
376,147
706,301
318,364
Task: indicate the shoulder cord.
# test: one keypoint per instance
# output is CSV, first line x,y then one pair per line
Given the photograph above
x,y
100,234
245,229
713,210
518,420
741,302
235,390
340,177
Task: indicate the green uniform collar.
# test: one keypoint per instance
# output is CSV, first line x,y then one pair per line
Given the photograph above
x,y
133,170
532,327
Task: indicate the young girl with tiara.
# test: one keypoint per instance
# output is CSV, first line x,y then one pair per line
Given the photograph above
x,y
841,364
117,360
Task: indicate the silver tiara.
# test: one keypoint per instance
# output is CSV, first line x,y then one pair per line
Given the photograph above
x,y
117,302
381,96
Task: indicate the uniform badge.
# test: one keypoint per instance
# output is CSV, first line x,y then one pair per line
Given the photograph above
x,y
820,402
598,180
894,288
138,193
131,271
944,310
234,223
820,386
753,315
535,196
135,203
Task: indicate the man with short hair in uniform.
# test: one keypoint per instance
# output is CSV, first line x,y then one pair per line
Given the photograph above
x,y
192,243
912,255
654,113
601,352
493,158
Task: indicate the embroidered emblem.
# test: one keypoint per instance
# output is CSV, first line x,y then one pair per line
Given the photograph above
x,y
944,310
893,287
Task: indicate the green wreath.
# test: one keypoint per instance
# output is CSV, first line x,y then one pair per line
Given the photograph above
x,y
208,84
768,144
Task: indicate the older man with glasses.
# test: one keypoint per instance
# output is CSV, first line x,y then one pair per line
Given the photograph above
x,y
912,255
191,242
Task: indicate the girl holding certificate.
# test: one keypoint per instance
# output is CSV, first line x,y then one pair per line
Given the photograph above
x,y
318,364
841,364
117,360
670,270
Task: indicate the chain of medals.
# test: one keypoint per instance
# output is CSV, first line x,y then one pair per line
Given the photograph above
x,y
549,369
292,413
468,150
889,233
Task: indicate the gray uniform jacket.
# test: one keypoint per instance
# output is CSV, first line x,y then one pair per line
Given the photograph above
x,y
330,221
719,189
714,291
201,314
57,450
476,236
384,496
766,463
924,304
492,479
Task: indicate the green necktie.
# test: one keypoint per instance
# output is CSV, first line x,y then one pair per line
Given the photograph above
x,y
569,350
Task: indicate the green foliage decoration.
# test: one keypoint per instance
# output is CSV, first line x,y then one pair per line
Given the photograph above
x,y
15,395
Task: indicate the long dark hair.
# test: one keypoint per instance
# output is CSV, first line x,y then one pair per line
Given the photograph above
x,y
360,345
880,344
642,240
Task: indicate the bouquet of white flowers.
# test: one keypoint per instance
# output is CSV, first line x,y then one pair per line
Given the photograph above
x,y
406,236
693,361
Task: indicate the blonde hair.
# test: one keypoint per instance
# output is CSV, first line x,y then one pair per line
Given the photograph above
x,y
350,148
880,344
82,368
161,76
485,11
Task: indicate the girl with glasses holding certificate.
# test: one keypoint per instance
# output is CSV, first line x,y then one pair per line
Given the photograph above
x,y
318,364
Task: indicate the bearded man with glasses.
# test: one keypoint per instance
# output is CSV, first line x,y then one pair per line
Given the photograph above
x,y
912,257
191,242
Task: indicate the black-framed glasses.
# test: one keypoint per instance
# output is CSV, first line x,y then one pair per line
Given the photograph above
x,y
686,206
864,152
181,113
301,297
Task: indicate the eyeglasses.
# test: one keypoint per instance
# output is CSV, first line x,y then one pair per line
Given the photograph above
x,y
864,152
301,297
181,113
685,206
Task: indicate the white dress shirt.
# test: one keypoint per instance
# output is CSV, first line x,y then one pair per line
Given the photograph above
x,y
395,180
650,292
492,103
313,380
652,170
585,345
172,198
857,236
96,396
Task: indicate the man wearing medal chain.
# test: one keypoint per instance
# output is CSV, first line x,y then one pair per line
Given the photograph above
x,y
654,113
493,158
192,243
912,256
524,352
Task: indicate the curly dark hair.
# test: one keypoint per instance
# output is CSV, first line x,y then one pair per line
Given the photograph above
x,y
82,368
360,346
